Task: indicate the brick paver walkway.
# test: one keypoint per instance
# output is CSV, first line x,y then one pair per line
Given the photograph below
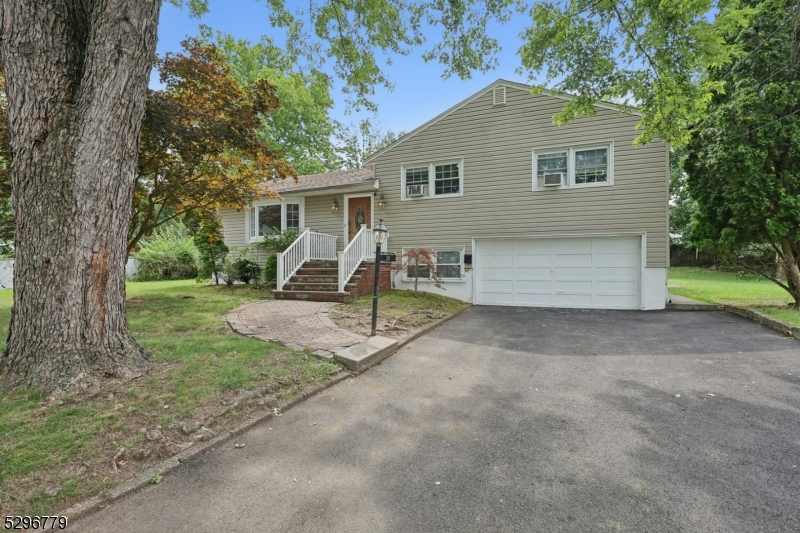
x,y
294,323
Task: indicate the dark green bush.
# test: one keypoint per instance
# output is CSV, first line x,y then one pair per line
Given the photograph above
x,y
240,266
245,266
271,270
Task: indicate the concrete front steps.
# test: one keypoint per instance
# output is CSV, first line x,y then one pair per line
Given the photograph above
x,y
318,281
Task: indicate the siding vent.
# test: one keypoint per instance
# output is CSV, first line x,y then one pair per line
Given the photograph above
x,y
499,96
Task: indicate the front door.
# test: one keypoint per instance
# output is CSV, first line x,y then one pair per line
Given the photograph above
x,y
359,211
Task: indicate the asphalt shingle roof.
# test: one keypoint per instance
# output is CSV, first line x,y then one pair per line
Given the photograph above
x,y
320,181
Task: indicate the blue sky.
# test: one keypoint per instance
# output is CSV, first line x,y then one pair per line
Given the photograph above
x,y
419,94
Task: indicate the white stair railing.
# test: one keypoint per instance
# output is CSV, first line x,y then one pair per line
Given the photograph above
x,y
360,248
322,246
309,245
293,258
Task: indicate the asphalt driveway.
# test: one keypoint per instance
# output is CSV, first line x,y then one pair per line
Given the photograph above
x,y
518,419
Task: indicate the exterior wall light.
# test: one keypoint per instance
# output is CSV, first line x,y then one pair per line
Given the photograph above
x,y
335,206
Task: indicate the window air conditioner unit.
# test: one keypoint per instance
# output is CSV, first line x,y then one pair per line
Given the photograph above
x,y
415,190
555,179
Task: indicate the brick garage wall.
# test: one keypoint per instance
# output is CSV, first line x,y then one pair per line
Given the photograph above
x,y
367,280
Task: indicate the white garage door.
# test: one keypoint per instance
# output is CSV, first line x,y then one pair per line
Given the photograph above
x,y
600,272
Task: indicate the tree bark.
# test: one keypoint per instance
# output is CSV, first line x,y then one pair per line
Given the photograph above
x,y
791,262
76,72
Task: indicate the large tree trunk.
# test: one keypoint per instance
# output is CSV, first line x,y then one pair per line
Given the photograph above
x,y
76,72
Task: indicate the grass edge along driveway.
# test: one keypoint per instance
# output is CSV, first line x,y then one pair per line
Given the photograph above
x,y
746,290
54,452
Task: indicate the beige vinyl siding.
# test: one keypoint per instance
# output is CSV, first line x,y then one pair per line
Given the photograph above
x,y
320,218
233,227
496,146
233,232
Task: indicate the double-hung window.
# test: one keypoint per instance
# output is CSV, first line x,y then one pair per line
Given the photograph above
x,y
591,166
574,167
448,265
434,179
447,179
268,217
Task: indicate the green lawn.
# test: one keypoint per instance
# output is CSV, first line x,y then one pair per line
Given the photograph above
x,y
728,288
53,454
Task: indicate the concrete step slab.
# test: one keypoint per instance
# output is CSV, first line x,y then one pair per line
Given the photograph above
x,y
370,352
313,296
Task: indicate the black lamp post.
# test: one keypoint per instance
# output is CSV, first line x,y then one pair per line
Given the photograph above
x,y
380,238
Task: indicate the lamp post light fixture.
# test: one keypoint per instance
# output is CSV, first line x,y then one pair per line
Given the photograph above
x,y
381,233
335,206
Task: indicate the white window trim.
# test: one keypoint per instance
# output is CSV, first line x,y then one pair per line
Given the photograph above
x,y
282,202
462,279
570,184
432,178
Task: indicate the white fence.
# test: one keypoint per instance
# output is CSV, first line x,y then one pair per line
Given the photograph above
x,y
7,271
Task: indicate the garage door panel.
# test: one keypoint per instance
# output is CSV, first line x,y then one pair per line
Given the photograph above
x,y
560,260
572,300
523,247
573,286
616,244
532,298
616,259
524,260
616,287
532,285
573,272
496,298
532,273
497,273
497,260
491,285
571,245
616,273
497,247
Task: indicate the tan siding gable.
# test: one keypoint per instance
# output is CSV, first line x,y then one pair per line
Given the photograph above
x,y
496,145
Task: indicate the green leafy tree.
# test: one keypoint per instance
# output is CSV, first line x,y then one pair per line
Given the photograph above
x,y
200,147
300,127
651,55
357,142
212,251
744,160
683,207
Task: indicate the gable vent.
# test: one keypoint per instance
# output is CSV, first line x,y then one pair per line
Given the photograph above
x,y
499,96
